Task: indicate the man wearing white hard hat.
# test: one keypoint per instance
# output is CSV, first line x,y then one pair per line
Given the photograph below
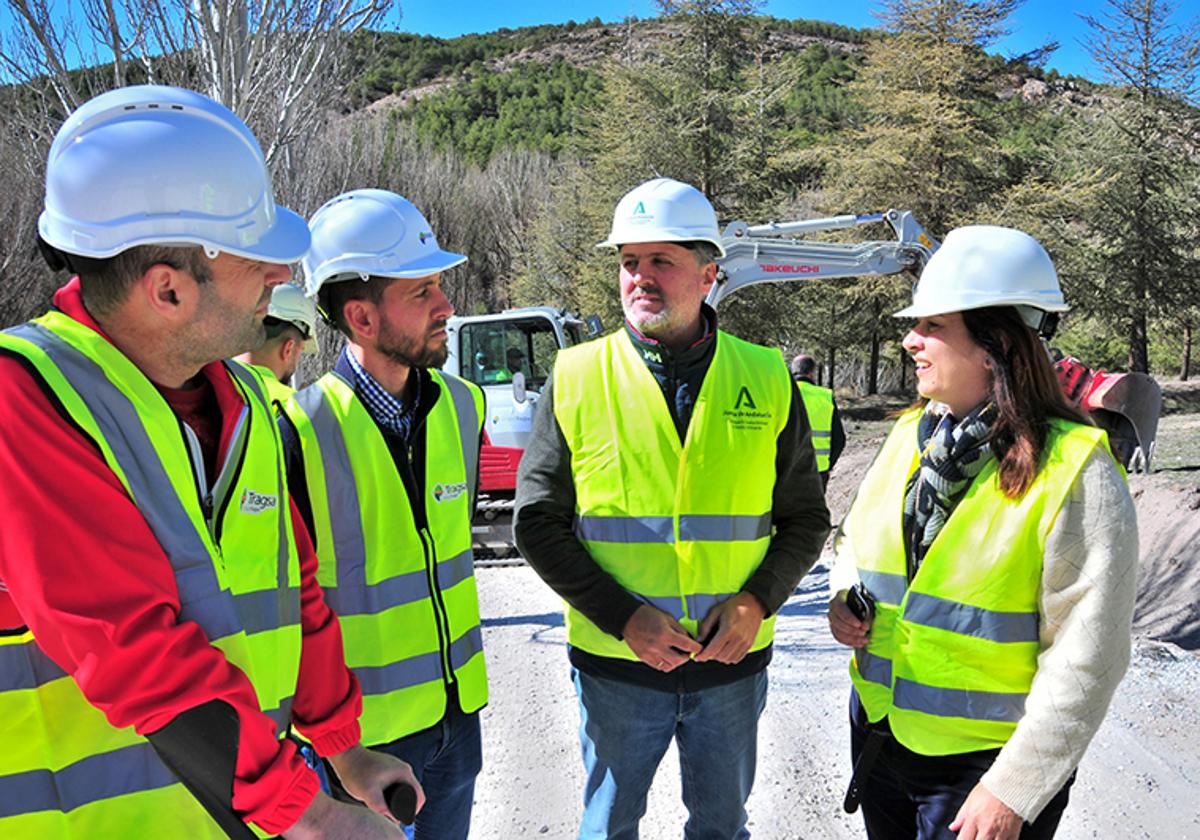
x,y
291,330
986,572
383,456
161,626
670,494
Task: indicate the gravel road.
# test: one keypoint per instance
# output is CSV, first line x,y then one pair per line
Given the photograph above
x,y
1141,778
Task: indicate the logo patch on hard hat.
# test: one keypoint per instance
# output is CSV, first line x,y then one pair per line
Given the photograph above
x,y
424,236
252,502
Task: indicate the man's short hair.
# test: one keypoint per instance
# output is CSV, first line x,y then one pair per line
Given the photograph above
x,y
705,252
333,298
106,282
804,366
277,328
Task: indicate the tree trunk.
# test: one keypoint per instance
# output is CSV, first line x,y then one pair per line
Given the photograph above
x,y
832,361
903,371
1139,345
1185,368
873,370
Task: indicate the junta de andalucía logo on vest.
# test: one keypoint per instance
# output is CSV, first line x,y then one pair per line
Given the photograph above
x,y
745,414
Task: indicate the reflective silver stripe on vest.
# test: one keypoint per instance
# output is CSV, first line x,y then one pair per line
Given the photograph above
x,y
698,606
455,570
626,529
872,668
465,647
408,588
817,434
341,493
201,598
416,670
117,773
468,427
281,714
970,620
1001,707
661,529
717,528
26,665
886,587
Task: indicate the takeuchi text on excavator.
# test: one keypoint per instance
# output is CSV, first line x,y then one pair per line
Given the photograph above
x,y
510,354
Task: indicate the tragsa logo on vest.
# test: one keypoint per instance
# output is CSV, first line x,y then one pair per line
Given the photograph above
x,y
252,502
448,492
745,416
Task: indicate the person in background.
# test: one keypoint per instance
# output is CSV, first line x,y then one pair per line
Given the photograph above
x,y
161,626
829,436
670,495
383,458
291,330
985,574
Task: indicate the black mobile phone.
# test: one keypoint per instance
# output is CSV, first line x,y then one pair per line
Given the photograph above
x,y
861,602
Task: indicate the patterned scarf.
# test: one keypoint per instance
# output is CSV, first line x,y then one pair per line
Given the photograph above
x,y
952,454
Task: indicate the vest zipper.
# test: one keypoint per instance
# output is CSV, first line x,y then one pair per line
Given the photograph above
x,y
196,456
230,469
440,614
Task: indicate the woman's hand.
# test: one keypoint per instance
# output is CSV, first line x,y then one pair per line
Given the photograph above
x,y
984,817
846,628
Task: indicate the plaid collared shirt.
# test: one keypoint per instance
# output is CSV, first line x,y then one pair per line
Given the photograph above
x,y
389,412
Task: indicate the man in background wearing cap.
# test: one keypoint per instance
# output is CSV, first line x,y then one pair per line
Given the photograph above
x,y
159,606
383,456
670,494
828,433
291,329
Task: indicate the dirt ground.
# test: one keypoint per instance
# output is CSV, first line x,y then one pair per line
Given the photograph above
x,y
1138,780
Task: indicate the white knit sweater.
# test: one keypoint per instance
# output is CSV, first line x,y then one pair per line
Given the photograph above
x,y
1089,582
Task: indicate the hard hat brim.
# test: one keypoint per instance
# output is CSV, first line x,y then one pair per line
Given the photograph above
x,y
924,310
286,242
663,236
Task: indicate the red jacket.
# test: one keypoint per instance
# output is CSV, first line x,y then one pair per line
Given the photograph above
x,y
84,572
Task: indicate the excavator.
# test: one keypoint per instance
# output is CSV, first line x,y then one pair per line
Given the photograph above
x,y
510,354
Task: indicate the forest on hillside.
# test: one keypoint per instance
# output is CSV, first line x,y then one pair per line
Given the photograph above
x,y
518,143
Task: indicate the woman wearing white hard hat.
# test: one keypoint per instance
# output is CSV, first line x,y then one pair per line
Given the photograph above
x,y
985,574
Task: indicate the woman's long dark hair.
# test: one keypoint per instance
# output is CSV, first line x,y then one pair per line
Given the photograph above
x,y
1025,390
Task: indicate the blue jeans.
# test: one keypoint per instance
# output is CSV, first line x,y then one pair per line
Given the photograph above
x,y
625,731
446,758
909,796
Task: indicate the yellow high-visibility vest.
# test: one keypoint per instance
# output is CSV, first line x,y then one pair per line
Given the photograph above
x,y
818,404
64,771
277,392
952,653
681,526
404,592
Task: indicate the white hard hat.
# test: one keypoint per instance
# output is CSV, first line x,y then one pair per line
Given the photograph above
x,y
987,265
161,165
289,303
664,210
366,233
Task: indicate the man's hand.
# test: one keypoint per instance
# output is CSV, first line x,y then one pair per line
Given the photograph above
x,y
366,774
658,640
328,819
844,625
736,621
984,817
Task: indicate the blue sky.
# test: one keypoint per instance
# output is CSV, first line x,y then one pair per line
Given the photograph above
x,y
1033,24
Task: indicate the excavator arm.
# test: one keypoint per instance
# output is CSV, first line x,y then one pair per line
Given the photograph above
x,y
772,253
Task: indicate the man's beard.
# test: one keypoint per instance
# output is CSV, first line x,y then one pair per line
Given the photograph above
x,y
650,325
410,353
